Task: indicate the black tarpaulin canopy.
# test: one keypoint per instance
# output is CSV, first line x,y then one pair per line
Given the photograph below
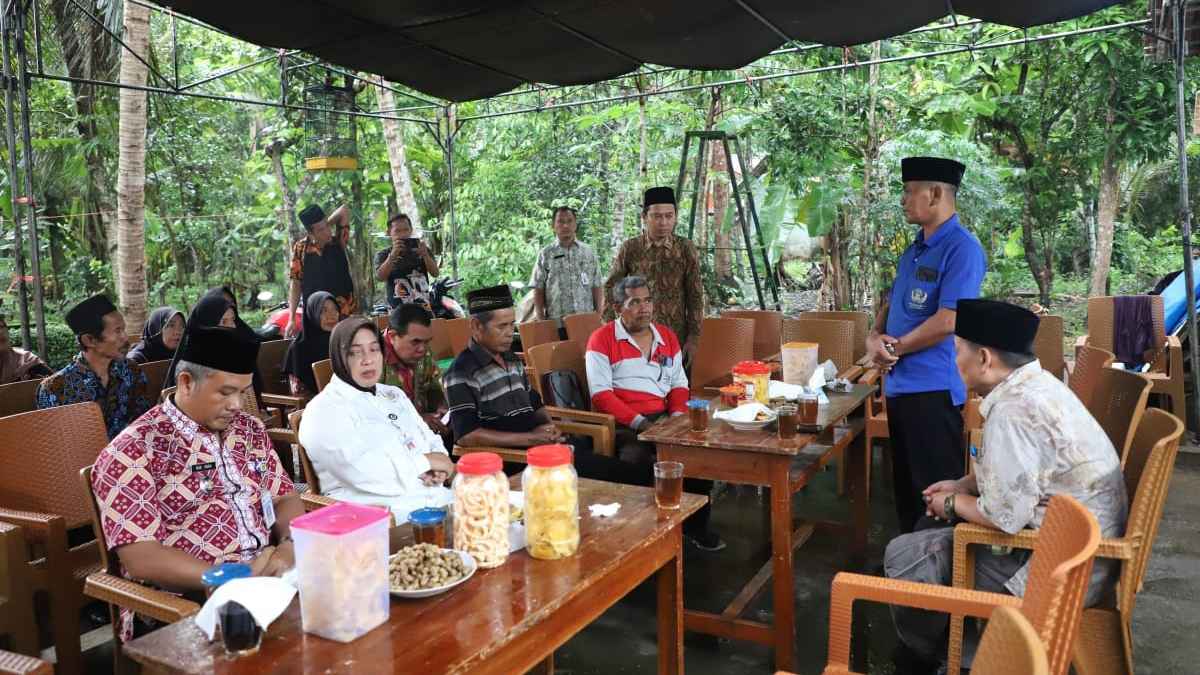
x,y
460,50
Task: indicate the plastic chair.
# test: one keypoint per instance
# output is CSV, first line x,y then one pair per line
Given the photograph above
x,y
458,331
47,448
723,343
19,664
567,355
862,326
1048,345
1089,363
534,333
440,345
1105,643
156,372
16,596
581,326
768,329
18,397
834,338
1166,368
875,420
1118,402
323,373
1053,602
313,499
270,366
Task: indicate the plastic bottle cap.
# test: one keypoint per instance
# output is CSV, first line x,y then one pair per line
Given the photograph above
x,y
427,516
548,455
752,368
219,574
480,463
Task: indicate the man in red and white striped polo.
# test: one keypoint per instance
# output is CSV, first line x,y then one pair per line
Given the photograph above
x,y
635,373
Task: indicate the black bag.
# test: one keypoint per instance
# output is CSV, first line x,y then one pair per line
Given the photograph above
x,y
563,390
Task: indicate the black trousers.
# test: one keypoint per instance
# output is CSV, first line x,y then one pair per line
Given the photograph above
x,y
927,446
640,457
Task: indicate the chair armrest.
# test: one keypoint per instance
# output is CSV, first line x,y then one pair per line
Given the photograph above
x,y
602,436
283,401
515,455
313,501
1080,342
283,435
871,376
36,525
852,373
128,594
581,415
970,534
1174,357
848,588
14,663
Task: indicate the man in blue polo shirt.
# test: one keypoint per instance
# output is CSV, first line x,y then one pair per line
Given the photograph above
x,y
913,335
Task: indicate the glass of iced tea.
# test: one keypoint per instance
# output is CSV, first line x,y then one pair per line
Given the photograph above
x,y
809,406
698,411
788,418
668,484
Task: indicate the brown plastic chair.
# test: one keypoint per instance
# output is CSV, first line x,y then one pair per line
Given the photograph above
x,y
1118,402
270,366
581,326
875,420
722,344
568,355
458,331
1089,363
768,329
440,345
1048,345
534,333
45,449
20,664
862,326
1105,643
313,499
1166,368
323,373
156,372
18,397
107,584
381,322
1058,576
16,596
834,338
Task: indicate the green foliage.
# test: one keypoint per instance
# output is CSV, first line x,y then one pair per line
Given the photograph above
x,y
61,345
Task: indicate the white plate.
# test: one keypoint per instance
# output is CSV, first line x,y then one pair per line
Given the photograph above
x,y
750,426
427,592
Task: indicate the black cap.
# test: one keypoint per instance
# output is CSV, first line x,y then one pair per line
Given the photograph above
x,y
658,195
995,324
312,215
489,299
932,168
87,318
220,348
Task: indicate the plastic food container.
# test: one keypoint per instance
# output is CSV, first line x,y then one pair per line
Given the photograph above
x,y
342,570
755,376
551,489
799,361
481,508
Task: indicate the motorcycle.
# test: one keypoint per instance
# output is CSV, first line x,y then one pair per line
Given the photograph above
x,y
441,302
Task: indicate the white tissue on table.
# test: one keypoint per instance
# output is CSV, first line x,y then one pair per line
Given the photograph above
x,y
817,381
264,597
604,510
746,412
516,530
792,392
830,369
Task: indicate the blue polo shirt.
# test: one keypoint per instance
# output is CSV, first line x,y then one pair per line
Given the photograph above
x,y
933,274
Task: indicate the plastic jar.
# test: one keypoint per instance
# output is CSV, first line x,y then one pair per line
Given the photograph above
x,y
481,508
755,376
551,489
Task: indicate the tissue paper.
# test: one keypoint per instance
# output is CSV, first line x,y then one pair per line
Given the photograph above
x,y
265,598
604,510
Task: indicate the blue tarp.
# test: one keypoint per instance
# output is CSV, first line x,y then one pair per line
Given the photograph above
x,y
1175,301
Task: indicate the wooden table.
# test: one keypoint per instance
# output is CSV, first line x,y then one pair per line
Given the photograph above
x,y
761,458
504,620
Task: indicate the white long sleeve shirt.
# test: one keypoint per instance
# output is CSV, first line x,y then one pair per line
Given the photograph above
x,y
370,449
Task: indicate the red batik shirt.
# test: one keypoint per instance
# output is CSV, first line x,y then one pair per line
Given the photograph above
x,y
150,484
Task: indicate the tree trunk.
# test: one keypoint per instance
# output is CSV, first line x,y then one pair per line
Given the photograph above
x,y
643,169
393,135
360,250
722,256
131,172
1107,209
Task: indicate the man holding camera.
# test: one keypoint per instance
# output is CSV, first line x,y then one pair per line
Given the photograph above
x,y
405,268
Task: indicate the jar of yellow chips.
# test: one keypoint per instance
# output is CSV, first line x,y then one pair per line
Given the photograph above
x,y
551,489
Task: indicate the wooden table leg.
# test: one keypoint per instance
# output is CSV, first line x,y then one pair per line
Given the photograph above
x,y
670,611
546,667
858,455
781,557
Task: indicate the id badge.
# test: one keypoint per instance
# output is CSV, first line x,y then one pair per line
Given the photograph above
x,y
268,509
585,279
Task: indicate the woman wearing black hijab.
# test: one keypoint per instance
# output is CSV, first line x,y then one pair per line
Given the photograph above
x,y
160,336
312,344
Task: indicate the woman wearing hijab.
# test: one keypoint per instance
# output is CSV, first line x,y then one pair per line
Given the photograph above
x,y
240,325
311,345
365,439
160,336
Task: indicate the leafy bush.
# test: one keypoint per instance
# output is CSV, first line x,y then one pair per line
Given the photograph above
x,y
60,342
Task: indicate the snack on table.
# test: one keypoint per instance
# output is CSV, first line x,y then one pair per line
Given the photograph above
x,y
515,514
551,503
422,566
481,510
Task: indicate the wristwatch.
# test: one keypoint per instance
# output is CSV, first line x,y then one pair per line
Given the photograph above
x,y
948,509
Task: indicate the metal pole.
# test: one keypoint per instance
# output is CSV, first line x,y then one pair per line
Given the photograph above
x,y
451,131
1185,209
762,245
701,158
11,140
737,199
39,307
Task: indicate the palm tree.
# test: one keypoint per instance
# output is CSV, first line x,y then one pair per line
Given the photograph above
x,y
131,170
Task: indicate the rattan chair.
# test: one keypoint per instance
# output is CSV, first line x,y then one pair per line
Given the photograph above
x,y
1053,602
768,330
156,373
313,499
723,343
458,332
18,397
568,355
1089,363
20,664
834,338
45,449
1118,402
1105,643
276,393
1048,345
16,595
323,373
581,326
440,344
534,333
862,326
1166,366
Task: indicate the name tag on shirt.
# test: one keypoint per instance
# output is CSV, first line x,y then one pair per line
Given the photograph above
x,y
268,509
205,466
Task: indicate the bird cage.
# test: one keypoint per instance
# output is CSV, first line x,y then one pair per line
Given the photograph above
x,y
330,142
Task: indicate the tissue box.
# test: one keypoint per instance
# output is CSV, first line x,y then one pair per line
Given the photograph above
x,y
342,570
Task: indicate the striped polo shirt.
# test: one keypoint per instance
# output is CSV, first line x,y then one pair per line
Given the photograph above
x,y
629,385
482,393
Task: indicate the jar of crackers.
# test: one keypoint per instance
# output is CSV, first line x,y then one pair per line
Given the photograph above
x,y
481,508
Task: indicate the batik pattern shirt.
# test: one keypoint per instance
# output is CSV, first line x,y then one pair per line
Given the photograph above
x,y
122,401
672,270
347,303
567,275
422,384
1040,441
166,479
